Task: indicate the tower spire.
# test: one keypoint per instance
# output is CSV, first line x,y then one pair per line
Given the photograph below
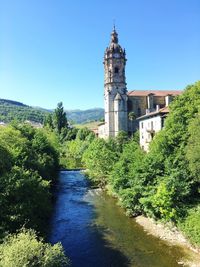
x,y
114,35
114,25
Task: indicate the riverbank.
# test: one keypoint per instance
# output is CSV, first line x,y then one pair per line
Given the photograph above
x,y
173,236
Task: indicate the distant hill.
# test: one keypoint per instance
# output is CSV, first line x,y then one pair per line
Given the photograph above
x,y
90,125
83,116
10,110
11,102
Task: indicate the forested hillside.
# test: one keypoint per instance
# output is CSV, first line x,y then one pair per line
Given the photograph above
x,y
13,110
82,116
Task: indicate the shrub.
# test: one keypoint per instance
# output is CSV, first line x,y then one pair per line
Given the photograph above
x,y
191,225
24,249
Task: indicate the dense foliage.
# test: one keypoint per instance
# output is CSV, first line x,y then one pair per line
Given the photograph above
x,y
29,163
99,159
164,183
24,249
74,147
12,110
190,225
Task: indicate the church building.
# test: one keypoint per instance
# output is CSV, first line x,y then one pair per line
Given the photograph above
x,y
124,108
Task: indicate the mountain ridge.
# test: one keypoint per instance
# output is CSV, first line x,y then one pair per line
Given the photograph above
x,y
10,110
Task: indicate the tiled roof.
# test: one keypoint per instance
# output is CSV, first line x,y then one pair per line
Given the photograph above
x,y
157,112
154,92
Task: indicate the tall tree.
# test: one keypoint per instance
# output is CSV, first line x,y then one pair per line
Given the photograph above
x,y
48,121
59,118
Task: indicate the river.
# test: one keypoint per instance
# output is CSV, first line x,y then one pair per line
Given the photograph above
x,y
95,232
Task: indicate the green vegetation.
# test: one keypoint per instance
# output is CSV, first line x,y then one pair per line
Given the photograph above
x,y
90,125
73,148
164,183
29,166
12,110
25,249
99,159
83,116
193,147
57,122
29,162
190,225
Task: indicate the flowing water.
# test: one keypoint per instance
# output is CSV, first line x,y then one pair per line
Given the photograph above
x,y
95,232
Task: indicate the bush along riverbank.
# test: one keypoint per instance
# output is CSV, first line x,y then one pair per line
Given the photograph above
x,y
163,184
29,163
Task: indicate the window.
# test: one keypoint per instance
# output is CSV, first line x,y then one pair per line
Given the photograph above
x,y
116,70
142,125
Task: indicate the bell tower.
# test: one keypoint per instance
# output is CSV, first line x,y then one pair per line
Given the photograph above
x,y
115,92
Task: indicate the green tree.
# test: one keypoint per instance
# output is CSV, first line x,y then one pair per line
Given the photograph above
x,y
59,118
83,133
25,200
125,180
99,159
29,163
190,225
159,202
167,159
24,249
48,121
193,147
72,152
5,160
71,134
45,156
121,139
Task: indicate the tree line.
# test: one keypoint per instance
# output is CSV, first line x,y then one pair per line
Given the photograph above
x,y
12,110
163,184
29,164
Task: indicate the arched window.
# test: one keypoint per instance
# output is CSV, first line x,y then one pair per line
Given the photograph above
x,y
116,70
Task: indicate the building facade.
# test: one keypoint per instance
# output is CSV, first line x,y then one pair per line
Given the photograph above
x,y
150,124
123,107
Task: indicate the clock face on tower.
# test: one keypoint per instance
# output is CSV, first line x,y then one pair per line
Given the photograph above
x,y
116,55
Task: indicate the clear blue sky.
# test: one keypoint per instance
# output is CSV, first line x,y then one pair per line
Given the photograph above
x,y
52,50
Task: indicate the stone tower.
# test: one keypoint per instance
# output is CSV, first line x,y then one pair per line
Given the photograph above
x,y
115,92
